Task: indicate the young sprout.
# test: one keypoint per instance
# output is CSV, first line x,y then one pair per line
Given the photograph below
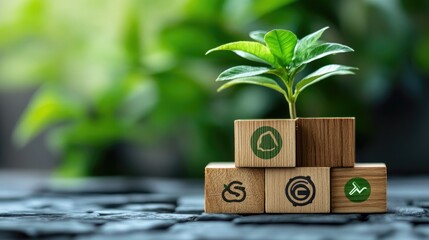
x,y
285,56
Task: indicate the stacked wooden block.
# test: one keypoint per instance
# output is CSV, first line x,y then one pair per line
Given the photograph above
x,y
295,166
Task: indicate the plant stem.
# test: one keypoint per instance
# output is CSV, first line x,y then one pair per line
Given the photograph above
x,y
292,108
290,98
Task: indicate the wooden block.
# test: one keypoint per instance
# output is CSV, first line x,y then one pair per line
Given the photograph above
x,y
361,189
233,190
297,190
325,142
265,143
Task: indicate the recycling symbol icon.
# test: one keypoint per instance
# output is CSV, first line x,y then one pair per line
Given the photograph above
x,y
266,142
271,147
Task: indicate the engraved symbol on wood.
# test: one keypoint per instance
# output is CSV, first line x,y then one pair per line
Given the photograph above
x,y
266,142
234,192
300,191
261,145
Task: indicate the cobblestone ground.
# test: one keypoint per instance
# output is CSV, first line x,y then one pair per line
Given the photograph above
x,y
161,209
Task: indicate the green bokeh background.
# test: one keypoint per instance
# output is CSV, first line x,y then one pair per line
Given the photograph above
x,y
125,80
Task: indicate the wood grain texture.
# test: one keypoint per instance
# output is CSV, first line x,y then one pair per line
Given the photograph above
x,y
375,174
245,156
219,174
325,142
276,180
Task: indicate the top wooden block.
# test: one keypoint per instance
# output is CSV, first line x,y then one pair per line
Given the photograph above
x,y
325,142
265,143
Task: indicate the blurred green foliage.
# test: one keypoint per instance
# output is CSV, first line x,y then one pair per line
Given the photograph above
x,y
117,72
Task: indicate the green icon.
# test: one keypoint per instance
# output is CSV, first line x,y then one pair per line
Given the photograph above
x,y
266,142
357,189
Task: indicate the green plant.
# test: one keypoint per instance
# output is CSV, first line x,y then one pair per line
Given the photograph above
x,y
287,56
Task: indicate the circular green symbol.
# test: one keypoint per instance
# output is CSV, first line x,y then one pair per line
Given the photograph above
x,y
266,142
357,189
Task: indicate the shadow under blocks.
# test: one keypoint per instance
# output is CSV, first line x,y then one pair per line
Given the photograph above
x,y
304,165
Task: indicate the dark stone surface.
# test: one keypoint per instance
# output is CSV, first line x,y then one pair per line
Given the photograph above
x,y
190,209
321,219
190,204
129,226
422,230
112,213
151,207
217,217
43,228
423,204
410,211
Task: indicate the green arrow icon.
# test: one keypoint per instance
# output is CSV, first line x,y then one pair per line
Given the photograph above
x,y
357,189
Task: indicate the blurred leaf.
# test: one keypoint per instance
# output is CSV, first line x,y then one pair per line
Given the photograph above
x,y
261,81
76,162
282,44
95,132
421,53
131,38
25,64
139,100
239,13
48,106
254,48
244,104
180,99
88,134
323,73
258,36
241,72
262,7
203,11
130,98
176,39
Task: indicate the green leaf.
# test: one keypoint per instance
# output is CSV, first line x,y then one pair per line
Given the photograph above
x,y
320,51
323,73
254,48
257,80
251,57
282,44
258,36
241,72
308,41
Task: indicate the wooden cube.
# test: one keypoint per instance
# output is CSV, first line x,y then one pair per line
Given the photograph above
x,y
265,143
325,142
297,190
233,190
361,189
